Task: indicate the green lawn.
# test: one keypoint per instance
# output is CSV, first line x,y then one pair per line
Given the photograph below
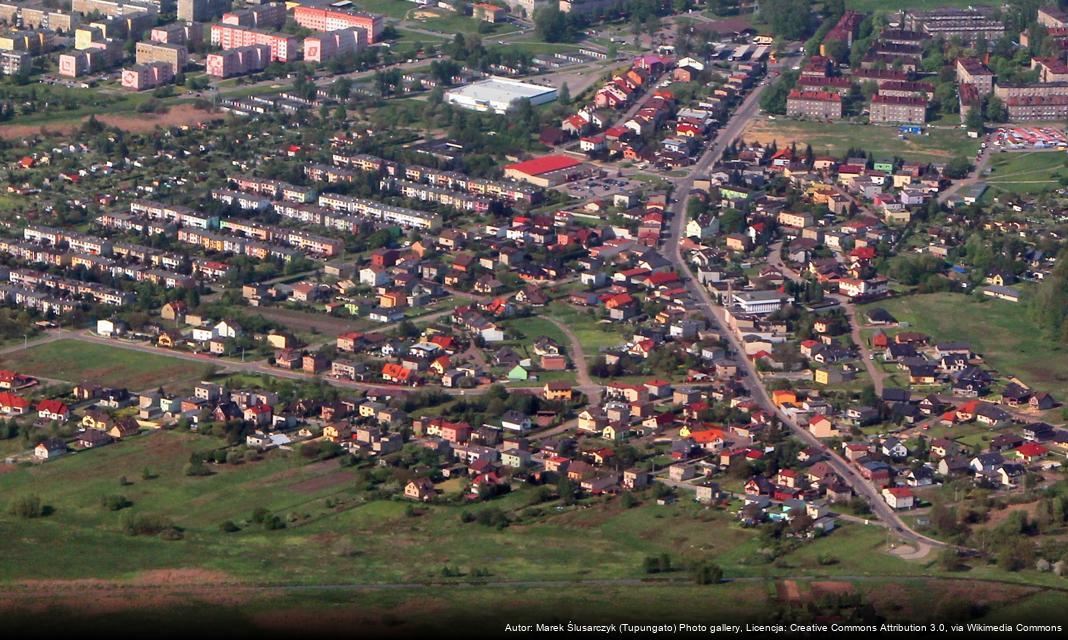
x,y
80,539
77,361
592,334
1023,173
883,142
388,8
534,327
1000,331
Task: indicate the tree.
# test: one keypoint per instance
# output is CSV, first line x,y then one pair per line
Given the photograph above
x,y
29,506
958,168
563,96
995,110
788,19
550,24
708,573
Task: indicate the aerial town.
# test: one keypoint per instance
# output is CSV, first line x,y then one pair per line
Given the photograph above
x,y
316,313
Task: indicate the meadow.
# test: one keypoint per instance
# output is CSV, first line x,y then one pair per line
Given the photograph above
x,y
1002,332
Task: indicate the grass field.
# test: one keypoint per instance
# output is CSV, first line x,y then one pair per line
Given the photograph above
x,y
362,542
1001,331
388,8
592,334
836,138
77,361
534,327
1024,173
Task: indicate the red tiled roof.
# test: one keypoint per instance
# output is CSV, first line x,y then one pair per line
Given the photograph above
x,y
544,164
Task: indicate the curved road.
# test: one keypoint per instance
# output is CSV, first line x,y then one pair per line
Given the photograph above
x,y
714,313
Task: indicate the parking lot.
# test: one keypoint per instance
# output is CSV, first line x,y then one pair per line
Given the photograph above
x,y
601,187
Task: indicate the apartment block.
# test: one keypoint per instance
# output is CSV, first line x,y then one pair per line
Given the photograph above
x,y
283,47
328,20
969,24
972,71
898,109
1052,17
321,47
820,105
1051,69
178,33
147,76
37,16
34,42
202,10
265,16
112,8
238,61
1027,108
92,60
175,55
13,63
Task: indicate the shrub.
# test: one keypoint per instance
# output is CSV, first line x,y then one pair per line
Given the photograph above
x,y
143,524
27,507
707,573
114,502
229,527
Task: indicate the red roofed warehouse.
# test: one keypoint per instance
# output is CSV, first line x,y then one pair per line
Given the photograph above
x,y
547,171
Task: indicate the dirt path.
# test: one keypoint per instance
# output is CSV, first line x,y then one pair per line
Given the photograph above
x,y
586,383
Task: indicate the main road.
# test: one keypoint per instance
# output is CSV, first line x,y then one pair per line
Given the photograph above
x,y
714,313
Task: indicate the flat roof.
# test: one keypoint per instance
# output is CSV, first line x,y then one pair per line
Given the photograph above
x,y
544,164
500,90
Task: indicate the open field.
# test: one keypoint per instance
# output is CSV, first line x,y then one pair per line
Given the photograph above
x,y
388,8
835,138
1028,172
75,361
1001,331
340,546
593,335
177,115
421,609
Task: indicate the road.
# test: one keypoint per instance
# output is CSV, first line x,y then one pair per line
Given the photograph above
x,y
586,383
877,375
715,314
975,176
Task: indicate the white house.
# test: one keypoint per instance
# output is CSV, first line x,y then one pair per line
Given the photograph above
x,y
515,421
898,497
225,329
110,328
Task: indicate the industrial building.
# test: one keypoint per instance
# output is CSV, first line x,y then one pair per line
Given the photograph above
x,y
498,94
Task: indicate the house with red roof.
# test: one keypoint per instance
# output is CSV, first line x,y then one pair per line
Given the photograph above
x,y
899,497
393,372
1031,452
13,404
53,410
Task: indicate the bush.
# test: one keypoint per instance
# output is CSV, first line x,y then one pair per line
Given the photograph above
x,y
114,502
708,573
27,507
142,524
195,469
229,527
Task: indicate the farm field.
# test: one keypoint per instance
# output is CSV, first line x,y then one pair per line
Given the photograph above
x,y
75,361
836,138
1026,173
1001,331
426,608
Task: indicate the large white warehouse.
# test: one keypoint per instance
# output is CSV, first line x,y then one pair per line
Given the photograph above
x,y
498,94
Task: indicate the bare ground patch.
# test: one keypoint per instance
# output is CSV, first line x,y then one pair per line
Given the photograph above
x,y
178,115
